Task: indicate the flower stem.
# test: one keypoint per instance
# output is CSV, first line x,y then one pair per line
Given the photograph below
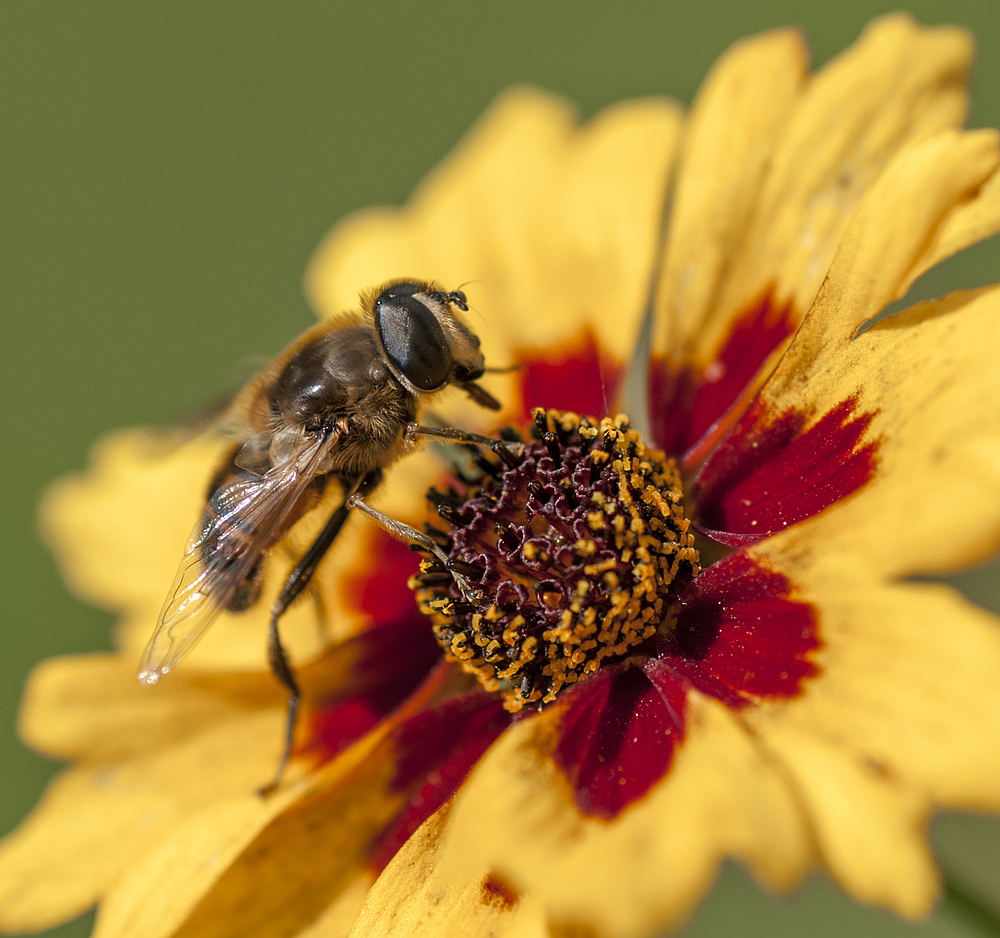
x,y
966,906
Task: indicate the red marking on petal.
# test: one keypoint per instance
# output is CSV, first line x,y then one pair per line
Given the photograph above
x,y
387,663
618,735
739,637
768,473
435,750
686,403
496,891
334,728
577,377
380,587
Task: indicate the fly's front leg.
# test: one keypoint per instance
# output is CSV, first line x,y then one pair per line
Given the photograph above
x,y
406,533
297,581
510,453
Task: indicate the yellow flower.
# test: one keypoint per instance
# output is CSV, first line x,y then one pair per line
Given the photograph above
x,y
802,705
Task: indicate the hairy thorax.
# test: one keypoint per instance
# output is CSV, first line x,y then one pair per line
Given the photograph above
x,y
338,383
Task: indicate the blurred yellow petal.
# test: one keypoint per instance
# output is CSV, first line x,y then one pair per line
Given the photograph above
x,y
94,822
485,216
257,866
92,707
156,894
871,831
338,918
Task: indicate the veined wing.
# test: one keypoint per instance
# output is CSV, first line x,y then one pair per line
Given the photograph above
x,y
227,543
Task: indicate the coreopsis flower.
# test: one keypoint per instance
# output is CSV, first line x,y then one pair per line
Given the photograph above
x,y
693,642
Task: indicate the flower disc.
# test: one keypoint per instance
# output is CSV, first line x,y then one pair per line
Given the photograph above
x,y
570,546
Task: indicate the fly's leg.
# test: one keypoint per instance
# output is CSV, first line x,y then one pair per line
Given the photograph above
x,y
297,581
405,533
508,452
282,670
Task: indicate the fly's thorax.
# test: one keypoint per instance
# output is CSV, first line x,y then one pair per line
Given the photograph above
x,y
328,374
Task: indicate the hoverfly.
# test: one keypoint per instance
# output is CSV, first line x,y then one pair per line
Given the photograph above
x,y
339,405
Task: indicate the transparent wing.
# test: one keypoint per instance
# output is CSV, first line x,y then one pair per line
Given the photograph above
x,y
223,549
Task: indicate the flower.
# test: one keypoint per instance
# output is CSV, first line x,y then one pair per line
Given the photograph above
x,y
799,701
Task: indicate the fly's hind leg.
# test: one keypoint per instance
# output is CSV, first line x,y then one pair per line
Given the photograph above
x,y
297,581
282,670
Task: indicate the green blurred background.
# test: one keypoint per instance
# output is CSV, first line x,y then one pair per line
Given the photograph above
x,y
168,169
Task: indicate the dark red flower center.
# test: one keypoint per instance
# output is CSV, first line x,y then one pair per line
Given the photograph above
x,y
571,547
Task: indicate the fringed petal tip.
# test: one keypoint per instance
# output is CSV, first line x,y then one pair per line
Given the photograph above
x,y
808,149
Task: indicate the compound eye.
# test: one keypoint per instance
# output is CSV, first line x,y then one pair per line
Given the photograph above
x,y
413,340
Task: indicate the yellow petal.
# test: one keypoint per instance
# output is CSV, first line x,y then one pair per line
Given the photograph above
x,y
723,797
929,378
898,84
338,917
413,897
554,225
965,225
94,822
904,717
91,707
259,867
728,146
881,251
871,831
158,891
